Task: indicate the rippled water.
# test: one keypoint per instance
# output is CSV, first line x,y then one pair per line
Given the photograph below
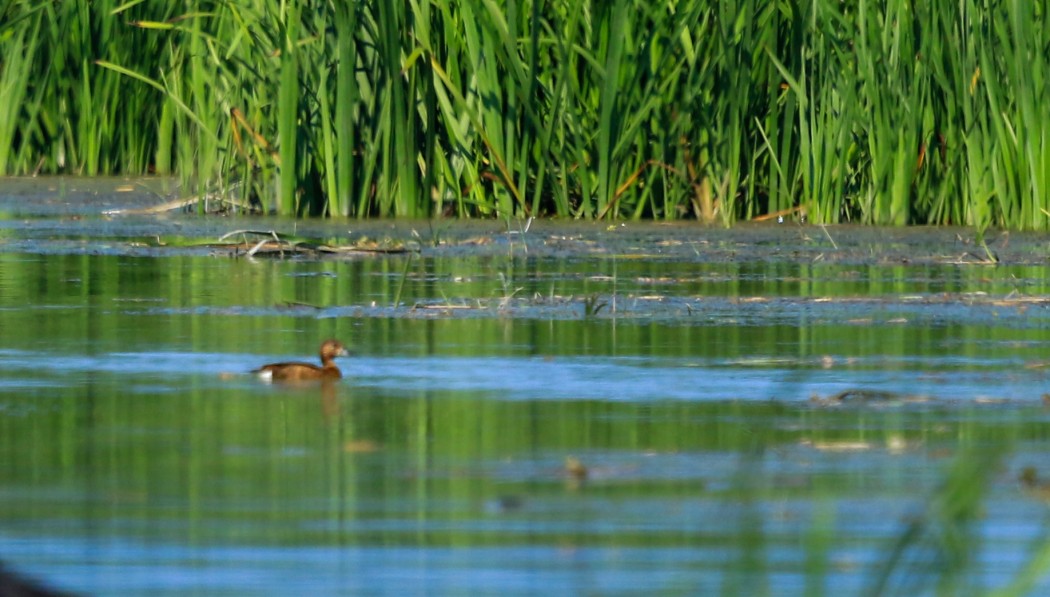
x,y
625,410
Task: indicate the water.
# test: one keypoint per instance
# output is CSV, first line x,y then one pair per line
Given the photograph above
x,y
697,391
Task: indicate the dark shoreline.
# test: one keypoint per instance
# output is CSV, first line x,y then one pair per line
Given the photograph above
x,y
68,215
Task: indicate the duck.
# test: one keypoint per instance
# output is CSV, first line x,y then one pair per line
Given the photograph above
x,y
298,371
575,469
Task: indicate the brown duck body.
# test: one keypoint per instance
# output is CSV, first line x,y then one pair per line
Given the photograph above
x,y
297,371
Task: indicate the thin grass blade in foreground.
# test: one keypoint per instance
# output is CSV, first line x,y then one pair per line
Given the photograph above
x,y
938,549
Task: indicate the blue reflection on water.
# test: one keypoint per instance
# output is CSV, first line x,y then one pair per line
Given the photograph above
x,y
119,566
104,562
569,378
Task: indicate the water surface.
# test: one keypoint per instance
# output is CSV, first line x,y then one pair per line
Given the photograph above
x,y
693,374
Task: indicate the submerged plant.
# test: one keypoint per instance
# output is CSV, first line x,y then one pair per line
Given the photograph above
x,y
593,304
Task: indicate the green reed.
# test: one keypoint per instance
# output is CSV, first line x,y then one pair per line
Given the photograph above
x,y
873,112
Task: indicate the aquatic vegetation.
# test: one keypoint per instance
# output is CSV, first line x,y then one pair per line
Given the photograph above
x,y
884,113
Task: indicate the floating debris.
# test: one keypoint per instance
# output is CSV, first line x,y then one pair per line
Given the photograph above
x,y
861,396
1032,486
360,446
278,244
838,446
504,504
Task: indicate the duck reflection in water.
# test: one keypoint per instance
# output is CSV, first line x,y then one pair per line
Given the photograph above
x,y
298,371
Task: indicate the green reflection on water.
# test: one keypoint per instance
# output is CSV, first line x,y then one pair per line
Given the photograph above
x,y
190,457
657,308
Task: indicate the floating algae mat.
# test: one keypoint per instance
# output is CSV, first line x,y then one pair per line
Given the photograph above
x,y
560,407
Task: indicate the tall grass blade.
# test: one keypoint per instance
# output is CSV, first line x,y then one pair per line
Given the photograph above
x,y
875,112
288,112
